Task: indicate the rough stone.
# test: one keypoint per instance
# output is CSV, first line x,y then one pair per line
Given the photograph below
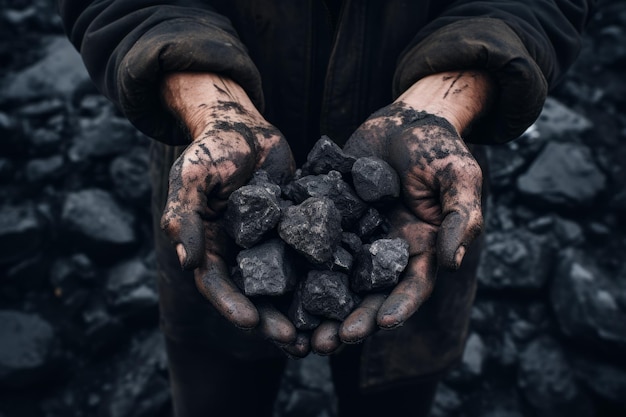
x,y
262,178
12,139
327,294
77,267
42,109
446,402
547,381
588,303
302,319
505,163
605,379
374,180
312,372
265,269
563,176
342,261
130,288
21,232
370,224
541,224
326,156
557,120
71,279
130,175
568,232
44,140
515,260
380,264
252,211
331,186
351,242
29,273
6,169
103,136
27,351
102,331
95,218
91,105
474,355
312,228
492,400
45,169
472,362
139,388
58,74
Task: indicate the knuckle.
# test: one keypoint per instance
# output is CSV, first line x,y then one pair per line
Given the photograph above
x,y
169,225
477,223
471,171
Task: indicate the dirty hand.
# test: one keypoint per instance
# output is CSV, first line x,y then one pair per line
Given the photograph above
x,y
439,213
230,140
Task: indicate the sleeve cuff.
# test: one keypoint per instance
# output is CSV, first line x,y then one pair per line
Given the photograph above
x,y
487,44
184,45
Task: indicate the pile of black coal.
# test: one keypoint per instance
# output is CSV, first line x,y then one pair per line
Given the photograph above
x,y
321,238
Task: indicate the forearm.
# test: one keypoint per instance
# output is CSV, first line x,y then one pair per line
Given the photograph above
x,y
458,96
197,99
129,46
526,46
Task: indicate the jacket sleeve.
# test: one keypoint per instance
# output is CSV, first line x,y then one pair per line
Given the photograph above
x,y
527,45
127,46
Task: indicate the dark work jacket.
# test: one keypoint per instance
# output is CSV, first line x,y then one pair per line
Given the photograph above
x,y
314,68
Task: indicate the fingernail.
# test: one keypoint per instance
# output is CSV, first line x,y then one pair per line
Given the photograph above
x,y
389,321
182,254
352,341
458,256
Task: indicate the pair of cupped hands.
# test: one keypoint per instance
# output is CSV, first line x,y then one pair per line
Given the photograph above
x,y
439,213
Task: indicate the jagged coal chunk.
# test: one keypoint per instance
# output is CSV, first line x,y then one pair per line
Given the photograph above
x,y
369,224
333,187
380,264
326,156
262,178
342,260
252,211
21,232
586,299
265,269
130,288
548,383
27,349
375,180
564,175
44,169
130,176
516,259
139,387
327,294
312,228
302,319
352,242
95,218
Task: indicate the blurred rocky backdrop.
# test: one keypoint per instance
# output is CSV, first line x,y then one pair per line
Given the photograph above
x,y
78,304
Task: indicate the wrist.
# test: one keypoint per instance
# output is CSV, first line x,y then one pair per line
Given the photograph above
x,y
458,96
198,99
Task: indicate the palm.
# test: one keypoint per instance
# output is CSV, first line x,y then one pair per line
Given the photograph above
x,y
218,162
439,213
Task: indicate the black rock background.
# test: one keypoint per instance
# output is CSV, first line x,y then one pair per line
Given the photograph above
x,y
78,305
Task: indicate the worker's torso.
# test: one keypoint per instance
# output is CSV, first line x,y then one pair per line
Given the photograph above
x,y
326,65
